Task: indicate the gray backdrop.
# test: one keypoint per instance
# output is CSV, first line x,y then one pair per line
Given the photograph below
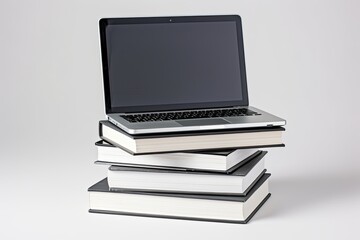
x,y
302,62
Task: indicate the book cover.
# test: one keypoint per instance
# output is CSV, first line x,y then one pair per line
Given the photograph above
x,y
102,186
221,161
171,142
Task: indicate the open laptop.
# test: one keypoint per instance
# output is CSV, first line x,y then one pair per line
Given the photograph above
x,y
171,74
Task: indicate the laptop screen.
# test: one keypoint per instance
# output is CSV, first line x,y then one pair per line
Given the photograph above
x,y
173,65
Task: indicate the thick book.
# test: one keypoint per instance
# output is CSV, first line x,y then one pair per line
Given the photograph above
x,y
237,182
232,209
221,161
190,141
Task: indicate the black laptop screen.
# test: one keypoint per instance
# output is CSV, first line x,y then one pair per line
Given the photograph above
x,y
173,64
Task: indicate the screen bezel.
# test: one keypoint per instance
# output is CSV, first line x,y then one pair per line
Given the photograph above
x,y
104,22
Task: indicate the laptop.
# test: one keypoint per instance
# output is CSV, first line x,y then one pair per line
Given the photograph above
x,y
175,74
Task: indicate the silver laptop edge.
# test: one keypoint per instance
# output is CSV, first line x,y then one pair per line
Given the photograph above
x,y
263,120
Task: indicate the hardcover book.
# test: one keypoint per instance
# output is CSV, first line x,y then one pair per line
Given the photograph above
x,y
221,161
236,182
232,209
190,141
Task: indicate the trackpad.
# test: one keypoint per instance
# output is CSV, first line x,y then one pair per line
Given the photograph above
x,y
199,122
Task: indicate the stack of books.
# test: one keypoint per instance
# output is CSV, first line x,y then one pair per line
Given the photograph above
x,y
211,176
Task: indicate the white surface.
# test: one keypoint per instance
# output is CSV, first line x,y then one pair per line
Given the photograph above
x,y
302,61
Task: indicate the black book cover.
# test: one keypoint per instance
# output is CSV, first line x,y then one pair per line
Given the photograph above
x,y
188,192
185,218
182,134
102,186
223,152
240,169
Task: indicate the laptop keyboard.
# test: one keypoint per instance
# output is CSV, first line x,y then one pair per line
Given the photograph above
x,y
166,116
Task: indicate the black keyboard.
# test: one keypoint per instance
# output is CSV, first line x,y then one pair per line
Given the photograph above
x,y
166,116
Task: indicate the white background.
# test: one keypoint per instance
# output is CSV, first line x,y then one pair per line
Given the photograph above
x,y
302,62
